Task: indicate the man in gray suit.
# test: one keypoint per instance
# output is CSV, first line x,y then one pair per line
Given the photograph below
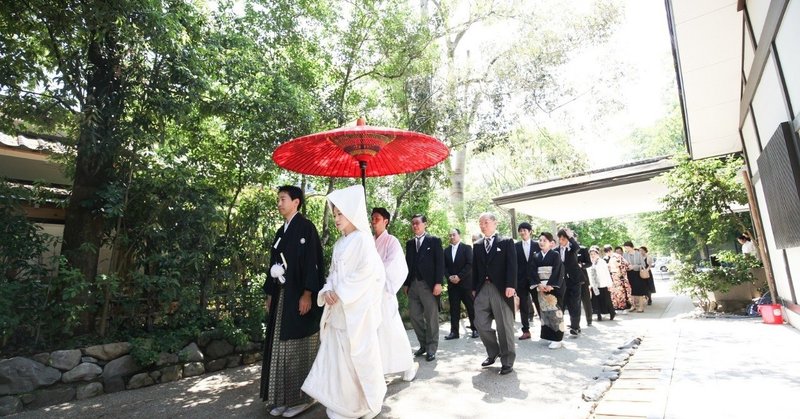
x,y
425,260
494,283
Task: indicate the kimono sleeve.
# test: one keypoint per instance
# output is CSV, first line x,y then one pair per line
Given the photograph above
x,y
312,260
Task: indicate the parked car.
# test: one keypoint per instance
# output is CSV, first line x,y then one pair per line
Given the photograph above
x,y
662,264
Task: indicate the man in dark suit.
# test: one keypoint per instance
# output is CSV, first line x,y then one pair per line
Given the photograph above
x,y
494,276
525,248
585,262
425,260
568,250
458,269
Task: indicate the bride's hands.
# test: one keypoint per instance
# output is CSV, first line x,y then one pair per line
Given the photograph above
x,y
331,298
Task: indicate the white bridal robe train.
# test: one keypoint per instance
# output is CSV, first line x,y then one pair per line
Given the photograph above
x,y
344,377
395,346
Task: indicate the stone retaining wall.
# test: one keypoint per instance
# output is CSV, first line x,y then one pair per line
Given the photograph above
x,y
56,377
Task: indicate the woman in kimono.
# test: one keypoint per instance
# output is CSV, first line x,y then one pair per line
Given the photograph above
x,y
600,283
621,289
347,375
549,282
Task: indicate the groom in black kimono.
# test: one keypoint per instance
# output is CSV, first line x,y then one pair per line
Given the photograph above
x,y
296,276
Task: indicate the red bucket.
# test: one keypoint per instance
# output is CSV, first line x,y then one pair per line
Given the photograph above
x,y
771,313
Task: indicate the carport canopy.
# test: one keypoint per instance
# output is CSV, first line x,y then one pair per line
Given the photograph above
x,y
631,188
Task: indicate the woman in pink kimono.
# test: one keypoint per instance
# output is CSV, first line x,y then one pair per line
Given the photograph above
x,y
347,375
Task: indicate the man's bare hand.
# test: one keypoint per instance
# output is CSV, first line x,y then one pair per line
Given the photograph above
x,y
305,303
267,303
405,290
455,279
510,292
437,289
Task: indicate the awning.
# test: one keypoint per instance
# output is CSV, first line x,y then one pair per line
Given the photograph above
x,y
707,39
615,191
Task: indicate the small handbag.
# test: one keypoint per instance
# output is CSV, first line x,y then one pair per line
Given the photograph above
x,y
645,272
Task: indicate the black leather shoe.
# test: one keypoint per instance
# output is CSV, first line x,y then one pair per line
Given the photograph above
x,y
506,369
430,357
474,334
420,352
488,361
451,336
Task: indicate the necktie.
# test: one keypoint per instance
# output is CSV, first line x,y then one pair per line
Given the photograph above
x,y
419,243
562,253
527,248
488,244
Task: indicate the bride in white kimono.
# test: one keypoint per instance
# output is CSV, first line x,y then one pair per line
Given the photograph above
x,y
347,376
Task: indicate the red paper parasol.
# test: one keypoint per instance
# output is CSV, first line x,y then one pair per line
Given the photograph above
x,y
360,151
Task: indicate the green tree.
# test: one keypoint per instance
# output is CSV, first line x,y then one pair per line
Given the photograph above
x,y
665,138
699,207
600,232
127,77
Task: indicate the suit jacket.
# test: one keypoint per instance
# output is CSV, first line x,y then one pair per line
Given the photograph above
x,y
498,266
427,264
552,259
302,250
525,271
572,269
585,262
461,266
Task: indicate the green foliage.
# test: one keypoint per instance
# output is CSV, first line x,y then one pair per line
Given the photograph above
x,y
601,231
699,205
664,138
699,281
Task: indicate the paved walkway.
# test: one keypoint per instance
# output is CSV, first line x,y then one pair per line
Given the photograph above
x,y
684,368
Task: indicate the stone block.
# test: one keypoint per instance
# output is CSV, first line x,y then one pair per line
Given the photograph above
x,y
65,360
171,373
27,398
216,364
51,396
251,358
108,351
121,367
89,359
165,358
10,405
218,349
191,353
233,361
248,347
140,380
113,384
89,390
21,375
595,391
193,369
42,358
83,372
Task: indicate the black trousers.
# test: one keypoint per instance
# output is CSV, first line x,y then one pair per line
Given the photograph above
x,y
456,295
572,301
586,299
526,296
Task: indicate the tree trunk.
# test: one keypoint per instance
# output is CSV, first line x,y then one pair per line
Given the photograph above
x,y
97,150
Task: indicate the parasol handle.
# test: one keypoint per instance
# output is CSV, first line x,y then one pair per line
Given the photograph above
x,y
363,165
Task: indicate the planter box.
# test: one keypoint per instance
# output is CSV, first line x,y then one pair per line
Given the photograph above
x,y
741,295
